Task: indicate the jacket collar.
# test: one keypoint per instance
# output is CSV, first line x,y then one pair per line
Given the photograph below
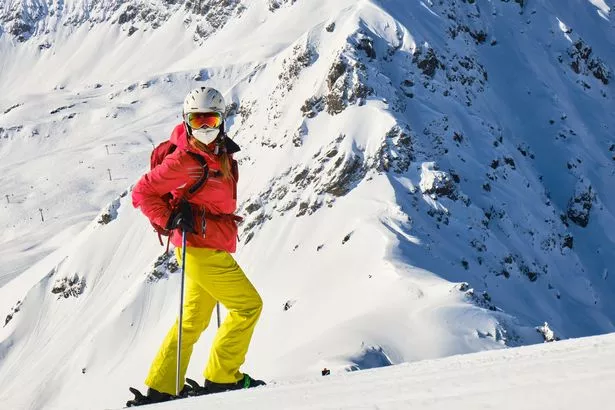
x,y
180,138
231,146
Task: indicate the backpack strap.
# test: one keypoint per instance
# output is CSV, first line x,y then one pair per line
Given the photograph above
x,y
203,178
162,243
231,146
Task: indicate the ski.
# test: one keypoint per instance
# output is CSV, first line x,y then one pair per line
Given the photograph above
x,y
191,389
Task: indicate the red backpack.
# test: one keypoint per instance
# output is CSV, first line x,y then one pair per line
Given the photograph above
x,y
158,155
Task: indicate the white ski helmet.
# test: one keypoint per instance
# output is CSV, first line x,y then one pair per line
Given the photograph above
x,y
203,99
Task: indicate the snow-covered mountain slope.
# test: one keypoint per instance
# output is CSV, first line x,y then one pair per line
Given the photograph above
x,y
570,375
419,179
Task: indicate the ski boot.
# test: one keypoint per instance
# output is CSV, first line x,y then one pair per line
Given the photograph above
x,y
152,396
245,383
190,389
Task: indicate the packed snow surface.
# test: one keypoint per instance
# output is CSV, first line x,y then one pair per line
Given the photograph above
x,y
570,375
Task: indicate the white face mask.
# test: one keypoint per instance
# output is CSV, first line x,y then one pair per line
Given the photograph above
x,y
206,135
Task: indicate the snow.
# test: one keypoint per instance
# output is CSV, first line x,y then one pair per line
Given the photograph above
x,y
419,180
570,374
602,6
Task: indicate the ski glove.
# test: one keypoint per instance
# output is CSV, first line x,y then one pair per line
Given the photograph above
x,y
182,218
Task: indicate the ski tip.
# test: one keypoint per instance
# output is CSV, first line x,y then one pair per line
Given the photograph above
x,y
136,392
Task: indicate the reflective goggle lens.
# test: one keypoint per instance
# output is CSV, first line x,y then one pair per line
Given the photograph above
x,y
197,120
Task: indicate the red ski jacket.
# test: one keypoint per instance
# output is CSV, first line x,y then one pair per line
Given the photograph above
x,y
213,204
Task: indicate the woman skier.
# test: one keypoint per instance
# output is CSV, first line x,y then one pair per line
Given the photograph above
x,y
212,275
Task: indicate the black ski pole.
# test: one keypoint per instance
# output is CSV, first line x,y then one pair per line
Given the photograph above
x,y
181,315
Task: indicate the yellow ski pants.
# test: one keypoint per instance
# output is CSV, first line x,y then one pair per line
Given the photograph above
x,y
211,276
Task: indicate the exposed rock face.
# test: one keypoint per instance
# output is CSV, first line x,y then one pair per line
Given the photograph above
x,y
580,205
109,213
303,56
165,265
276,4
26,19
436,182
396,153
347,81
347,85
14,310
6,133
69,286
428,62
584,61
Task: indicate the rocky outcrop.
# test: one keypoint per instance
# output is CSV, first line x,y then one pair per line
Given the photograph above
x,y
580,205
23,20
396,152
69,286
347,80
435,182
165,265
12,313
109,213
277,4
582,60
347,85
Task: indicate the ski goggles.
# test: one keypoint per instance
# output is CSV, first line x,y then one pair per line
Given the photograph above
x,y
198,120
